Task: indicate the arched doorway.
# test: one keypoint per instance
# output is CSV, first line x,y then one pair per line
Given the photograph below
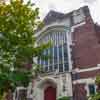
x,y
50,93
47,89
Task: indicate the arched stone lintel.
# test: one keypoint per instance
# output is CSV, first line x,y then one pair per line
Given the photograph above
x,y
48,81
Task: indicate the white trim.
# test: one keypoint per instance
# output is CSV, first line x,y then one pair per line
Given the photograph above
x,y
69,50
20,88
86,70
65,22
86,80
77,25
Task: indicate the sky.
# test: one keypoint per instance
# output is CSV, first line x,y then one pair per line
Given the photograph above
x,y
66,6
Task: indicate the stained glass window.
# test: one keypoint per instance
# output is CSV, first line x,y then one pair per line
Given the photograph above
x,y
58,52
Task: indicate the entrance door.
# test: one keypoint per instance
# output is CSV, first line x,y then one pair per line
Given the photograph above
x,y
50,93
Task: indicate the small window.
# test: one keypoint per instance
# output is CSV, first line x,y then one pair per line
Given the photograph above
x,y
91,89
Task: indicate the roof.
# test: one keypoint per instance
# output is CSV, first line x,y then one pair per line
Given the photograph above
x,y
53,16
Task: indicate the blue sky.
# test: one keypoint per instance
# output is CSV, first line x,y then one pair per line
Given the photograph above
x,y
67,6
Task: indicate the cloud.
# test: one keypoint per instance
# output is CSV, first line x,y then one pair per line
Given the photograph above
x,y
89,1
66,6
51,6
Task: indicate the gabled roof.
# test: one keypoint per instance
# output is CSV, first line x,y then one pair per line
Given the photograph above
x,y
52,16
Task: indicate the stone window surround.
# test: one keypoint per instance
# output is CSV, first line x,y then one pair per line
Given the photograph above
x,y
61,28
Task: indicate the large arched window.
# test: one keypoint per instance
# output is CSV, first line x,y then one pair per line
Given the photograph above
x,y
58,51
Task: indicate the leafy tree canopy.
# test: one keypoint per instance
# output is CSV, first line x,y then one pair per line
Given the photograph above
x,y
97,95
18,22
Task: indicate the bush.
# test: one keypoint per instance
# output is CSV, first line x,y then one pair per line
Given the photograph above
x,y
97,80
64,98
95,97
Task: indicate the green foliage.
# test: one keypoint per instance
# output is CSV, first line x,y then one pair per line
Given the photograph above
x,y
64,98
95,97
98,80
18,22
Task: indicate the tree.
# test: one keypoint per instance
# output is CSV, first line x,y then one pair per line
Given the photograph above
x,y
18,23
97,95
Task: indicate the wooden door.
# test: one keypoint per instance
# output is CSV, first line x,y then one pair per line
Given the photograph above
x,y
50,93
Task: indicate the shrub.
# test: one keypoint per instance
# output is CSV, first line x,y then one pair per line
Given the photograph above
x,y
64,98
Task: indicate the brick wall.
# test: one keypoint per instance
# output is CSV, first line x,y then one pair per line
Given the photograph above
x,y
85,75
87,47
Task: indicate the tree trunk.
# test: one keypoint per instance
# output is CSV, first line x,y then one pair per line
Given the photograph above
x,y
9,95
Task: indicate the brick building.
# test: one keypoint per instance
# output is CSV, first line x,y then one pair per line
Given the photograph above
x,y
75,56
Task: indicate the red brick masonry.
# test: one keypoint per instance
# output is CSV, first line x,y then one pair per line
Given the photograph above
x,y
86,51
